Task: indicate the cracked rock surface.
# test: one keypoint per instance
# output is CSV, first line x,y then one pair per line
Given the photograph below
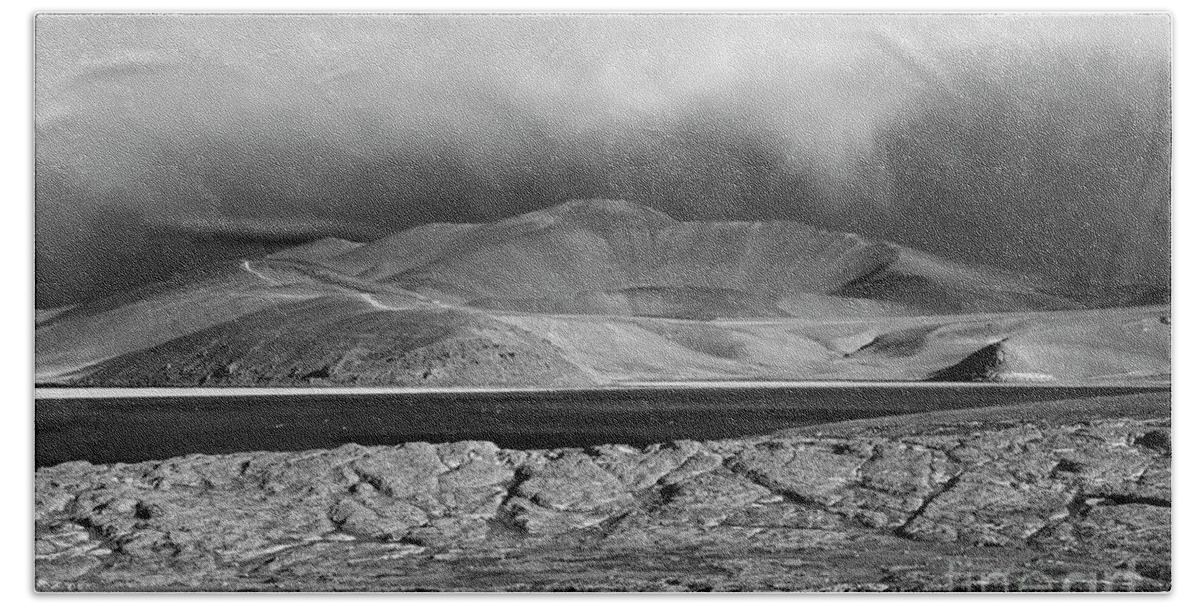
x,y
970,506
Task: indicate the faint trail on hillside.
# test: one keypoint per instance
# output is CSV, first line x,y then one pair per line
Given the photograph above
x,y
370,299
247,268
421,299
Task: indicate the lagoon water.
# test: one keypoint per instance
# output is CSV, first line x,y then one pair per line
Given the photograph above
x,y
135,427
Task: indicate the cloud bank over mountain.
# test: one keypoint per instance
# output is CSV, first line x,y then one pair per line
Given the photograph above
x,y
1039,144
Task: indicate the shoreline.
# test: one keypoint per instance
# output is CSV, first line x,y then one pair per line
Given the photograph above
x,y
248,391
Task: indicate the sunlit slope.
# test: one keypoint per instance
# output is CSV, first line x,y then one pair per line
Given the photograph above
x,y
1078,346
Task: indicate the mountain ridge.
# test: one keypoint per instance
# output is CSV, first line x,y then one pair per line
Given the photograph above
x,y
578,294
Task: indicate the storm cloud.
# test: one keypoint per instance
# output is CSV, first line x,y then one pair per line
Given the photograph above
x,y
1038,143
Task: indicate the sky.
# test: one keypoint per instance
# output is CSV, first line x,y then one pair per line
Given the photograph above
x,y
1037,143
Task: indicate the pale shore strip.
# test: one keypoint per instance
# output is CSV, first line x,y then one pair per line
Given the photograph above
x,y
166,392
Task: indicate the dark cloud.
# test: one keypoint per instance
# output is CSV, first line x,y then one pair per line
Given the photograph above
x,y
1038,143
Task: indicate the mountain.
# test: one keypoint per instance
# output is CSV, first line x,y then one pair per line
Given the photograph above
x,y
593,293
575,257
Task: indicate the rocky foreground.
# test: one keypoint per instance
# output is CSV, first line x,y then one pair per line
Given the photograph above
x,y
956,505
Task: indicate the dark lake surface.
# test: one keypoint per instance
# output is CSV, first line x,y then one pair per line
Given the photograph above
x,y
134,429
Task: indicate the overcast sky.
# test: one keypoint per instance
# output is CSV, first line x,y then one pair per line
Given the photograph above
x,y
1037,143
